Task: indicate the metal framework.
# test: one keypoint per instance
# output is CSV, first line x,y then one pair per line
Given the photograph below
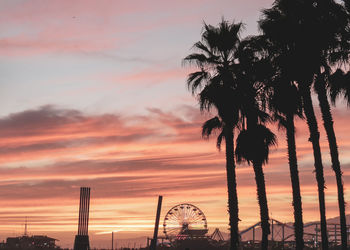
x,y
82,239
84,211
283,234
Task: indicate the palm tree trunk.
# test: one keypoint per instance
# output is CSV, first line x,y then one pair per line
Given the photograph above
x,y
333,147
294,176
232,189
264,211
252,121
315,140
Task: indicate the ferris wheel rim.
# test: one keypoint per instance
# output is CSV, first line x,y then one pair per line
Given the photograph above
x,y
201,217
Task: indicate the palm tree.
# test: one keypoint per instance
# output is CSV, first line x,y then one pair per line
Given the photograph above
x,y
335,23
216,83
253,146
333,147
286,104
255,139
305,45
283,99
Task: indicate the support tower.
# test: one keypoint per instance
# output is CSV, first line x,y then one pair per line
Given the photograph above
x,y
82,238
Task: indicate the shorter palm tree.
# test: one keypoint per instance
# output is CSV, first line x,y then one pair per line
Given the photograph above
x,y
253,146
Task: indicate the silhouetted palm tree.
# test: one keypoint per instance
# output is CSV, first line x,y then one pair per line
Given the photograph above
x,y
297,27
253,146
255,139
328,125
284,101
216,83
286,104
334,24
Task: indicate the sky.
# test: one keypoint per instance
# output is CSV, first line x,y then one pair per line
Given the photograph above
x,y
93,93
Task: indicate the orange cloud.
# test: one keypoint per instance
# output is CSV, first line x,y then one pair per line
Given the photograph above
x,y
48,153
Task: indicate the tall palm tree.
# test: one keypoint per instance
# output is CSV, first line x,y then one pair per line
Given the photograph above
x,y
334,35
286,104
255,139
305,45
215,80
333,147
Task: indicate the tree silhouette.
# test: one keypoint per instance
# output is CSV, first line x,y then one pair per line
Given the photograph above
x,y
333,35
255,139
215,81
286,104
302,28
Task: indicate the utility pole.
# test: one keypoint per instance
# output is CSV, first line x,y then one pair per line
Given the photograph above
x,y
25,228
112,241
155,234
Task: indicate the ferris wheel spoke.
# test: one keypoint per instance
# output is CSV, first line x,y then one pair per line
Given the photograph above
x,y
189,212
186,212
175,218
197,220
181,215
193,216
178,215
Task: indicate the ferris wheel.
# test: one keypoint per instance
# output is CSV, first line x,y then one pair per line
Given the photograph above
x,y
184,220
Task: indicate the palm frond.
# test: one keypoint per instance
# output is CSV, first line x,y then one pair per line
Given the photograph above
x,y
253,144
219,140
200,60
202,47
243,143
196,79
281,121
210,125
338,83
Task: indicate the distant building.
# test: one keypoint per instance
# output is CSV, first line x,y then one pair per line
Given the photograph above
x,y
30,242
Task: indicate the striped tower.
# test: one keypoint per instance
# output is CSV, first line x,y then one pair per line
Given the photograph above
x,y
82,238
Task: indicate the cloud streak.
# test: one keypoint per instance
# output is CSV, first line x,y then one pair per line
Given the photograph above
x,y
48,153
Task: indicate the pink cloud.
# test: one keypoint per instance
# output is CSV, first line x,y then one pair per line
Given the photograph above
x,y
131,160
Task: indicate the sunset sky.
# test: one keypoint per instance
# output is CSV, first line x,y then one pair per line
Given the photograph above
x,y
93,93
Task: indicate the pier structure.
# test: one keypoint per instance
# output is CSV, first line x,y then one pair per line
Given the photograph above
x,y
282,235
82,238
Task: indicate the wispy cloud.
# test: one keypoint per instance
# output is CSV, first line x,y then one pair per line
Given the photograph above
x,y
48,153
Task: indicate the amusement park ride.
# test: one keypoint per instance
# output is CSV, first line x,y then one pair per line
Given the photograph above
x,y
186,223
